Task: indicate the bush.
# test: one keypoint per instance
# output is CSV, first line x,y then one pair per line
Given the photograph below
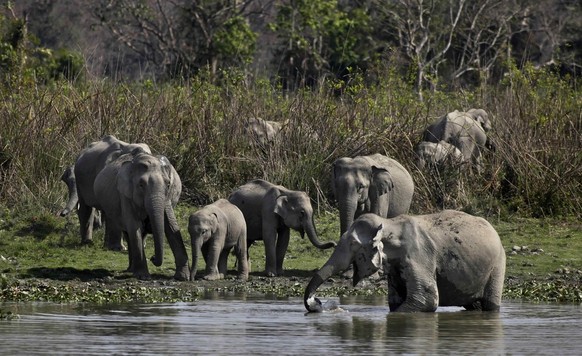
x,y
536,169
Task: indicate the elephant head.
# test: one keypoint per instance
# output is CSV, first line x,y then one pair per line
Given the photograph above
x,y
361,247
202,225
148,184
294,208
357,185
481,117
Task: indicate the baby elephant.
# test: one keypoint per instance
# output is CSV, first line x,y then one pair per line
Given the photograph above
x,y
215,230
437,154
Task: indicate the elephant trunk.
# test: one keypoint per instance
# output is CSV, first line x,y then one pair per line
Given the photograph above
x,y
155,208
69,179
196,250
347,207
339,261
309,228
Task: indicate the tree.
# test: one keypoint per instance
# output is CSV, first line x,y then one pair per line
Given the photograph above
x,y
459,35
181,37
321,38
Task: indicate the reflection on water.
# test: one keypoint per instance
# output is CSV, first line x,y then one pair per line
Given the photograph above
x,y
239,324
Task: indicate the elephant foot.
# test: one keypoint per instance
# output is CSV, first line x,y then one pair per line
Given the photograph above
x,y
213,277
270,274
87,242
182,276
243,276
119,247
142,276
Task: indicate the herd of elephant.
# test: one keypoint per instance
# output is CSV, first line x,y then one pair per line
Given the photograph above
x,y
449,258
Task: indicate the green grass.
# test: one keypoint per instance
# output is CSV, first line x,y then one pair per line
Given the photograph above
x,y
42,259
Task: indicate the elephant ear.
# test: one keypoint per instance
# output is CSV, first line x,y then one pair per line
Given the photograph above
x,y
214,222
382,180
124,183
368,252
281,206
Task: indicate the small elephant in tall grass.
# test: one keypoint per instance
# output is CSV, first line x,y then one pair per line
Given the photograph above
x,y
214,231
437,155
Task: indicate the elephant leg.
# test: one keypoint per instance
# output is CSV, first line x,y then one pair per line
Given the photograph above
x,y
422,294
223,262
212,263
138,261
177,245
241,252
270,241
130,253
282,244
491,300
113,238
85,214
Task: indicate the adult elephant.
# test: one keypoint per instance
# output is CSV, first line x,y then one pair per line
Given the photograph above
x,y
465,130
87,166
214,231
445,259
270,211
138,192
370,184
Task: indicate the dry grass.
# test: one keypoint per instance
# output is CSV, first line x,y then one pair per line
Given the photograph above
x,y
535,171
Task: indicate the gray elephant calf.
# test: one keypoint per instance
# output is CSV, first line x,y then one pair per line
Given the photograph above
x,y
215,230
439,154
270,211
445,259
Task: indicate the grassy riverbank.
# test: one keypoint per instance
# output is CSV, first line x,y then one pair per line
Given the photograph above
x,y
42,260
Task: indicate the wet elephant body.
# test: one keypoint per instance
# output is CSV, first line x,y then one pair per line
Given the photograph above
x,y
448,258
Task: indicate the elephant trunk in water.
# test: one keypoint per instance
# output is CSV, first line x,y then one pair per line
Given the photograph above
x,y
155,208
338,262
309,228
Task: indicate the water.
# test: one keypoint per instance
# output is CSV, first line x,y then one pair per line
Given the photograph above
x,y
221,325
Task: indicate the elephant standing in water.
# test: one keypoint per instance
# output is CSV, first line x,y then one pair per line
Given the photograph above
x,y
87,166
214,231
445,259
138,192
370,184
270,211
465,130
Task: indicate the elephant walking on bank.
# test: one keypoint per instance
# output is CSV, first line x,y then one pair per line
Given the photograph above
x,y
445,259
214,231
138,192
370,184
465,130
87,166
270,211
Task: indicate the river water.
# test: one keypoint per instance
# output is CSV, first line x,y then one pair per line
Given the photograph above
x,y
242,325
